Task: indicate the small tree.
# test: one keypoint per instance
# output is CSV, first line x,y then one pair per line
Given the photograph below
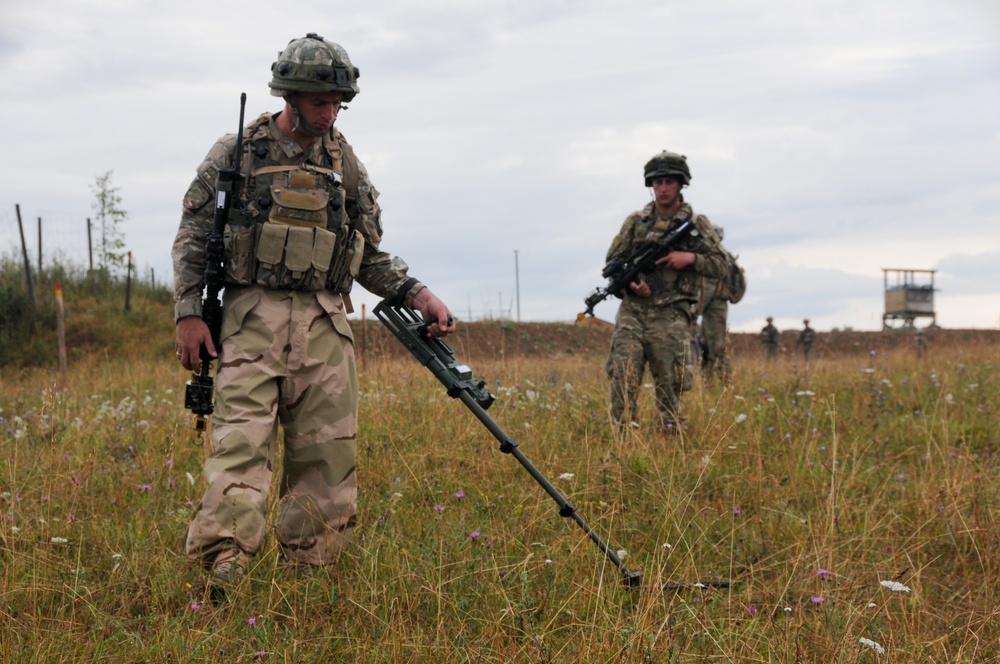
x,y
111,216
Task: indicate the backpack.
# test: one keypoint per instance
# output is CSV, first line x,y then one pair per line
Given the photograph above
x,y
734,286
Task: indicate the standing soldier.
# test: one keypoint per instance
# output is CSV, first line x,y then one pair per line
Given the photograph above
x,y
771,338
713,307
305,226
920,343
653,323
807,337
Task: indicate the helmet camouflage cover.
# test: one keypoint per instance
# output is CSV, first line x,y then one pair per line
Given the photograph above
x,y
313,64
667,164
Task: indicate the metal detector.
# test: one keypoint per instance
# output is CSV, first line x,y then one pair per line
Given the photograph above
x,y
407,326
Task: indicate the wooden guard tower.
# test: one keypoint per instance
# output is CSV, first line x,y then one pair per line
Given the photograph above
x,y
909,294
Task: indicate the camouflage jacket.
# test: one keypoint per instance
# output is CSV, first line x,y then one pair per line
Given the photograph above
x,y
378,272
671,286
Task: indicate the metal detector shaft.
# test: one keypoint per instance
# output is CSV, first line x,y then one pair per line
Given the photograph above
x,y
509,446
407,326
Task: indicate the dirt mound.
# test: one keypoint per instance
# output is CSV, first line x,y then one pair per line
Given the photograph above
x,y
491,340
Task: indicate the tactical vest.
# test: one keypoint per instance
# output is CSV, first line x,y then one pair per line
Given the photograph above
x,y
652,227
295,228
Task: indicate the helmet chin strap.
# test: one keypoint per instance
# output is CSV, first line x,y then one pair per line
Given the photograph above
x,y
300,124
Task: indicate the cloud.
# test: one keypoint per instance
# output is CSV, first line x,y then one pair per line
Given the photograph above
x,y
830,139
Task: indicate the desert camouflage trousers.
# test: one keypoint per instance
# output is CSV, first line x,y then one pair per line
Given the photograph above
x,y
658,336
715,338
287,357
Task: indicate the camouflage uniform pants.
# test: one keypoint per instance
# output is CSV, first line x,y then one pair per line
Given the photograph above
x,y
716,339
657,336
287,357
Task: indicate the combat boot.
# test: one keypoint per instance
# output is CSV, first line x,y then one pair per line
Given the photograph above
x,y
229,566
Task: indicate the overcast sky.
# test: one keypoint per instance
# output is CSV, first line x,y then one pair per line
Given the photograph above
x,y
829,139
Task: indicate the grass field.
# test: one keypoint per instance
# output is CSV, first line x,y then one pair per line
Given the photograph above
x,y
852,506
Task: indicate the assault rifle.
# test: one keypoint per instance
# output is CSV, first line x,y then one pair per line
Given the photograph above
x,y
407,326
198,391
620,273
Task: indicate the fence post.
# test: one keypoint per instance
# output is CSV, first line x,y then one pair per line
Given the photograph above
x,y
39,247
27,264
90,247
61,327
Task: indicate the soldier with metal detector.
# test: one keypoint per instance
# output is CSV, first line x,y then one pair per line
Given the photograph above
x,y
294,223
653,324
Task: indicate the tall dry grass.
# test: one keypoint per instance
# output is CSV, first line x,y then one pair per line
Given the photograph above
x,y
854,499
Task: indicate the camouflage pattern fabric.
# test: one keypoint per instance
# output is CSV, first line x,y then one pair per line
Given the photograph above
x,y
715,336
657,336
806,340
287,357
379,272
771,338
656,329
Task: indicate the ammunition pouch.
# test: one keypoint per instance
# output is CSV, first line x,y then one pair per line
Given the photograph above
x,y
293,235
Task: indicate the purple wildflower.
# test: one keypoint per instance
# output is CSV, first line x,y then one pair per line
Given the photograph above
x,y
474,534
460,494
439,508
817,599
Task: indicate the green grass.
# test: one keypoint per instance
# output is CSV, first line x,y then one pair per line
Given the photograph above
x,y
873,469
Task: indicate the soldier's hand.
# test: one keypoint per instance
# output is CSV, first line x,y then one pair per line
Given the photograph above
x,y
677,260
434,312
192,334
640,288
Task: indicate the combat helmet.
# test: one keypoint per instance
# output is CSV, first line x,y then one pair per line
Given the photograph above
x,y
667,164
313,64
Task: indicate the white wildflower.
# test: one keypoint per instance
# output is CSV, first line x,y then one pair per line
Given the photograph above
x,y
871,644
116,556
895,586
742,417
705,460
872,605
567,476
396,497
190,478
15,529
949,398
622,553
548,561
739,397
868,370
59,540
699,585
805,393
788,609
667,545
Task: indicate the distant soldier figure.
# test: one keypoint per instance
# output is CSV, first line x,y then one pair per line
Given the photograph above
x,y
771,338
807,338
920,343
